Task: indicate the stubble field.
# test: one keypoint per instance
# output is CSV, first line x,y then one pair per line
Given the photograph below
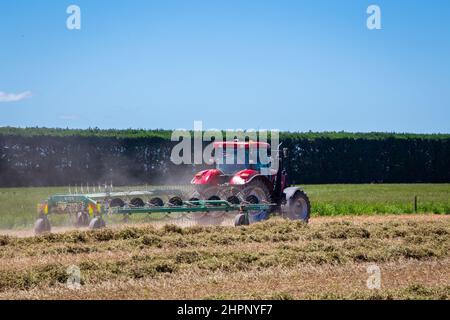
x,y
276,259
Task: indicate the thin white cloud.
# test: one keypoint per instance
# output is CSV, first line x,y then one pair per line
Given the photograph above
x,y
13,97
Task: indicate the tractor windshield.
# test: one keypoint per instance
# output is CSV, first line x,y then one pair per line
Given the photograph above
x,y
232,160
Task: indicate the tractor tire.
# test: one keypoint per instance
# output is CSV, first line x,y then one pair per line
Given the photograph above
x,y
82,219
97,223
298,207
255,192
42,225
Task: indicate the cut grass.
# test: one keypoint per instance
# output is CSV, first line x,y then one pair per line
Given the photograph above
x,y
275,260
18,205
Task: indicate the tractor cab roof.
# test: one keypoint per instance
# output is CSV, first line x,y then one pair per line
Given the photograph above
x,y
241,144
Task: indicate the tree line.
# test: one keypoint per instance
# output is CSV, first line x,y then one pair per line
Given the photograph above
x,y
54,157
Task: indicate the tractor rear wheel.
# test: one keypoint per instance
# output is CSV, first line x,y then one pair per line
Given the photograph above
x,y
298,207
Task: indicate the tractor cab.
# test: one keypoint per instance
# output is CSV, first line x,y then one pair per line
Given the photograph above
x,y
233,157
236,163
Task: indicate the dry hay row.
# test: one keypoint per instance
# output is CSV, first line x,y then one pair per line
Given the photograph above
x,y
162,255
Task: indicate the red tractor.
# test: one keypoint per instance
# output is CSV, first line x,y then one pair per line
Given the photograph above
x,y
241,176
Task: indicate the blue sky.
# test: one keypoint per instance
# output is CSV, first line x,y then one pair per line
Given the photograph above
x,y
288,65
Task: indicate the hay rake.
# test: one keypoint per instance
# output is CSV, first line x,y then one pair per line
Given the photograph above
x,y
90,209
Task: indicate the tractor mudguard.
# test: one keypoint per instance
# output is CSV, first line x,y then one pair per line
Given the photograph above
x,y
290,191
243,177
207,177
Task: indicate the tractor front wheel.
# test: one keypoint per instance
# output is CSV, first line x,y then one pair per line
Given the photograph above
x,y
298,207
